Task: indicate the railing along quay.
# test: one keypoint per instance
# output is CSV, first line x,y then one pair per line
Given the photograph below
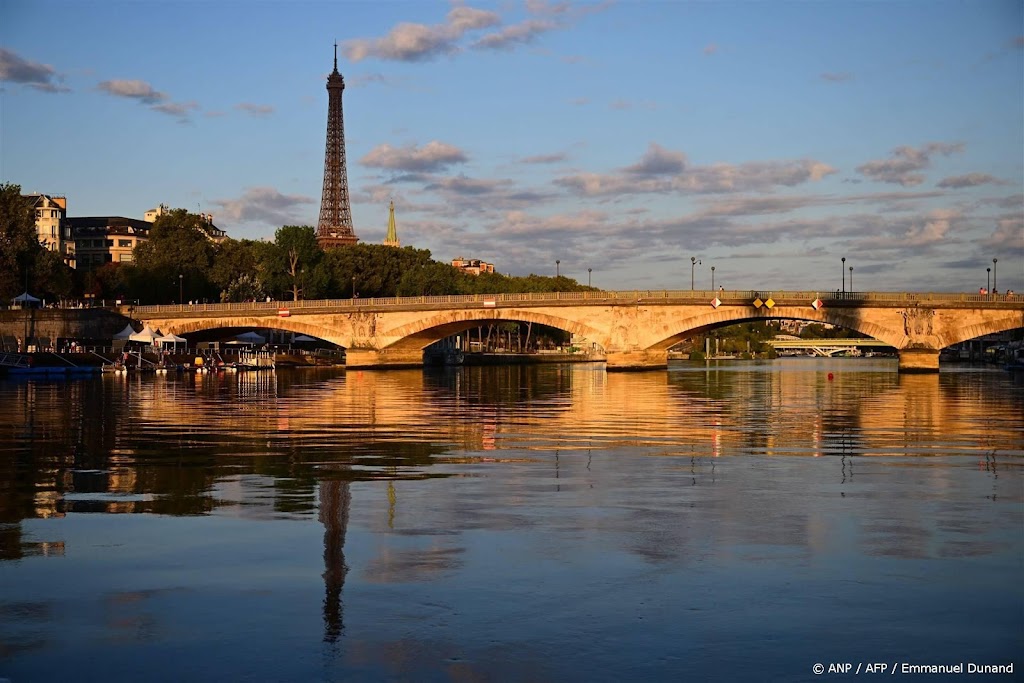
x,y
735,297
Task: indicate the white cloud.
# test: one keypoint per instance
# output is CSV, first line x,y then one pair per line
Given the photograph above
x,y
408,42
433,156
264,205
969,180
904,164
15,69
133,89
658,161
255,109
516,34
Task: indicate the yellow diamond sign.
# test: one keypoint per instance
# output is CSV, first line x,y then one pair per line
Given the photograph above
x,y
769,303
758,303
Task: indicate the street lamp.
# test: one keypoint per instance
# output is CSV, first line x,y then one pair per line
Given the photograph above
x,y
353,286
843,270
851,278
712,278
181,288
988,280
557,261
995,275
588,276
693,263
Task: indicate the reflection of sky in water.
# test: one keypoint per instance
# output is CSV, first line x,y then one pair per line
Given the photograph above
x,y
542,523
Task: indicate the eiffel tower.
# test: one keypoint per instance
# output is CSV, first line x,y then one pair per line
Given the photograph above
x,y
335,226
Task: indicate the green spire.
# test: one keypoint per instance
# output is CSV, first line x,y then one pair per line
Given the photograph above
x,y
392,239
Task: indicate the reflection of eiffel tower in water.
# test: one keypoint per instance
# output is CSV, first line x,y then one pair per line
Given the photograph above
x,y
335,501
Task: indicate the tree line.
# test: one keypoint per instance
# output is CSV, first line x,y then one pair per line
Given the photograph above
x,y
179,263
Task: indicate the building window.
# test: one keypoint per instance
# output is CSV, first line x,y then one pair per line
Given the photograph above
x,y
124,243
125,258
109,243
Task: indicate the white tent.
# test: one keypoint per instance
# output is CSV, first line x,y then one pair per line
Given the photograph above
x,y
126,333
172,339
147,336
303,338
250,338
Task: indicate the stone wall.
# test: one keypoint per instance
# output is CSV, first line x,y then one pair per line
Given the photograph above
x,y
71,323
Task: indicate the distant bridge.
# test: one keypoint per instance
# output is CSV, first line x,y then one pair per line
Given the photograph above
x,y
634,329
825,347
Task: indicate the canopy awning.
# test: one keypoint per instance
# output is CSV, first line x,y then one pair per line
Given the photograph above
x,y
126,333
171,338
148,335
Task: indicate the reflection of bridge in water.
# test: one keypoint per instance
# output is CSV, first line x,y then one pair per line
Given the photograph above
x,y
634,329
827,347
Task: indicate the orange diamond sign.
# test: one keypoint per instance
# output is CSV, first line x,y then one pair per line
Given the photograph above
x,y
758,303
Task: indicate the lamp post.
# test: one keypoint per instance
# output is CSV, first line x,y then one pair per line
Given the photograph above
x,y
588,276
988,280
181,288
995,275
843,271
353,286
693,263
851,278
557,262
712,278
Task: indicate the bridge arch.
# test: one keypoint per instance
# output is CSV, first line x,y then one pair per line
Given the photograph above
x,y
422,332
719,318
182,326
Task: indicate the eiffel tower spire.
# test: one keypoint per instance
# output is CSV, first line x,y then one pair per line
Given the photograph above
x,y
335,226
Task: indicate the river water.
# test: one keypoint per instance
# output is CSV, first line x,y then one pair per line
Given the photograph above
x,y
740,521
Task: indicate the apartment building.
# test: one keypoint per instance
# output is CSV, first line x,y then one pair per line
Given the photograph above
x,y
52,228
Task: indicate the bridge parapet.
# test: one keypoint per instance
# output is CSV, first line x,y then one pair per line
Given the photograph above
x,y
732,297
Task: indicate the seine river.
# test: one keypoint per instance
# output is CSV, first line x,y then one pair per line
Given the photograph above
x,y
734,521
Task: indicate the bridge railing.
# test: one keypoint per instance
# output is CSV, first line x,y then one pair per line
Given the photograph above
x,y
683,296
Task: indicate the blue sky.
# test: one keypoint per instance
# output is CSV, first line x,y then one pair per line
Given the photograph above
x,y
769,139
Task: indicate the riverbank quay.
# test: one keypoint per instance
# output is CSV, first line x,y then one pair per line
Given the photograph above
x,y
49,328
46,363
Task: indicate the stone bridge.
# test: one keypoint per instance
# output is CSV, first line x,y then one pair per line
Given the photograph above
x,y
634,329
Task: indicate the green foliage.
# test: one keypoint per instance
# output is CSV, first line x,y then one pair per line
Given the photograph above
x,y
697,355
231,260
246,287
176,260
21,255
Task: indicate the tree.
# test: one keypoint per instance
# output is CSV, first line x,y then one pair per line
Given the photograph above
x,y
177,257
246,288
233,259
19,245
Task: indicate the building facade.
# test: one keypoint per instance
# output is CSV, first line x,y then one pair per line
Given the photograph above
x,y
106,239
52,229
473,266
